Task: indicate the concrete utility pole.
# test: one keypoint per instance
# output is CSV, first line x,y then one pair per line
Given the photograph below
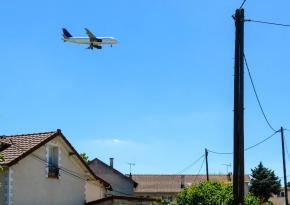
x,y
206,164
284,166
238,175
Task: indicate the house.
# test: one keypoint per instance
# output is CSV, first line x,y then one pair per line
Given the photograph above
x,y
280,198
121,184
167,187
45,169
125,200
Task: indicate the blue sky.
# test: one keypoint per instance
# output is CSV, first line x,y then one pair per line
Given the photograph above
x,y
160,96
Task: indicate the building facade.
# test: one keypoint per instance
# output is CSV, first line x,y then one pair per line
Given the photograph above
x,y
44,169
167,187
280,198
124,200
121,184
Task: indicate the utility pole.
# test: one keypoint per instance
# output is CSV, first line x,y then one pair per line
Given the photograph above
x,y
206,164
284,166
238,175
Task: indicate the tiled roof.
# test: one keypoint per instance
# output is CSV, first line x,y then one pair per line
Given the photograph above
x,y
98,170
23,144
172,183
20,145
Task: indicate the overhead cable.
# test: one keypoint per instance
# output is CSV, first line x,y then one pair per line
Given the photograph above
x,y
66,171
283,177
264,140
248,148
269,23
243,4
191,165
221,153
256,94
199,169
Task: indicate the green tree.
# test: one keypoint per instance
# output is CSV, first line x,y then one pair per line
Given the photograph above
x,y
211,192
264,183
85,157
1,161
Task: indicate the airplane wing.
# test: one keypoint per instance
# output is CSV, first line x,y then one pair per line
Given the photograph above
x,y
92,37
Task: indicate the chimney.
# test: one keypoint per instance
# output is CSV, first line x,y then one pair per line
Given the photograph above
x,y
112,162
182,185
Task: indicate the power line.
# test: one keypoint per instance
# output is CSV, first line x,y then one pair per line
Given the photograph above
x,y
220,153
242,4
64,170
248,148
256,94
199,170
191,165
283,177
269,23
264,140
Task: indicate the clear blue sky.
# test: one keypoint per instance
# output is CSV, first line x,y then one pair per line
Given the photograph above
x,y
160,96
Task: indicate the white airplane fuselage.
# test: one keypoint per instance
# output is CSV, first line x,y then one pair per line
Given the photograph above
x,y
86,40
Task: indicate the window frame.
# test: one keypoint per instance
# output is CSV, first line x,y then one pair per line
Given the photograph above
x,y
53,171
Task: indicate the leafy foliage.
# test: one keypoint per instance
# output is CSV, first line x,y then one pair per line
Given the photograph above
x,y
213,193
1,161
264,183
252,200
85,157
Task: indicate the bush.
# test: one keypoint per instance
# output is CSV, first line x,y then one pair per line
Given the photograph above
x,y
211,192
250,199
268,203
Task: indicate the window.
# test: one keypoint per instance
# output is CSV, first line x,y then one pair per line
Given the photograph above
x,y
53,169
167,198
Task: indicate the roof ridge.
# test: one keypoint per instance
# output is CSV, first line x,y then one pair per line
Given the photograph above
x,y
114,169
29,134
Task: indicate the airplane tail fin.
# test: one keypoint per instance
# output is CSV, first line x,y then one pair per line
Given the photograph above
x,y
66,34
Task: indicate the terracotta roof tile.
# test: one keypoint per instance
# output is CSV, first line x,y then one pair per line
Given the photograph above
x,y
21,144
172,183
97,166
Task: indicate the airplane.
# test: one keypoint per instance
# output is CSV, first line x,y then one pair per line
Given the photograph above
x,y
91,40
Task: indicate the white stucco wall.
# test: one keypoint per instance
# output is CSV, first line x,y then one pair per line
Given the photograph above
x,y
3,186
94,191
30,184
